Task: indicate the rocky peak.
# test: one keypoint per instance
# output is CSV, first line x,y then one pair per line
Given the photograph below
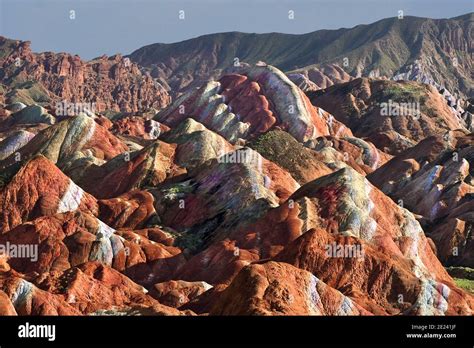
x,y
123,87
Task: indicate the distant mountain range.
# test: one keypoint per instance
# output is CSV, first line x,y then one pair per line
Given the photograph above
x,y
422,49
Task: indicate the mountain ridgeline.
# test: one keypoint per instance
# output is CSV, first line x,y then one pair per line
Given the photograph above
x,y
420,48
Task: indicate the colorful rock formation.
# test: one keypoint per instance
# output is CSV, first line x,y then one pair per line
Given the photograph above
x,y
250,102
434,179
62,77
240,198
393,115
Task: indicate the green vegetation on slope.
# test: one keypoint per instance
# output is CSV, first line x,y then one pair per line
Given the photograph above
x,y
385,46
465,284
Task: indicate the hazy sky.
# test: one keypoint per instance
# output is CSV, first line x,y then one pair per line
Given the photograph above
x,y
121,26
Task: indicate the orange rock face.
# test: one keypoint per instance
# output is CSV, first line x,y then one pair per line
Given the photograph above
x,y
6,306
139,127
123,86
276,288
434,180
148,167
247,99
368,280
178,293
40,189
27,299
251,101
91,289
393,115
240,198
130,210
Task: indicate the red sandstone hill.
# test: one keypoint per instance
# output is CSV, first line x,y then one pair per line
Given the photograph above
x,y
241,197
112,83
394,115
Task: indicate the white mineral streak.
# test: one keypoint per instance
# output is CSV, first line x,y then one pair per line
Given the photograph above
x,y
308,214
71,200
22,292
107,244
105,230
206,286
433,297
284,93
155,130
313,300
370,225
358,206
346,307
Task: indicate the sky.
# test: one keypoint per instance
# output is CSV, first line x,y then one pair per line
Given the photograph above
x,y
122,26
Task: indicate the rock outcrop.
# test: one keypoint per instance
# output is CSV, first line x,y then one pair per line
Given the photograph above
x,y
77,141
40,189
312,78
111,83
434,179
276,288
393,115
252,101
241,197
